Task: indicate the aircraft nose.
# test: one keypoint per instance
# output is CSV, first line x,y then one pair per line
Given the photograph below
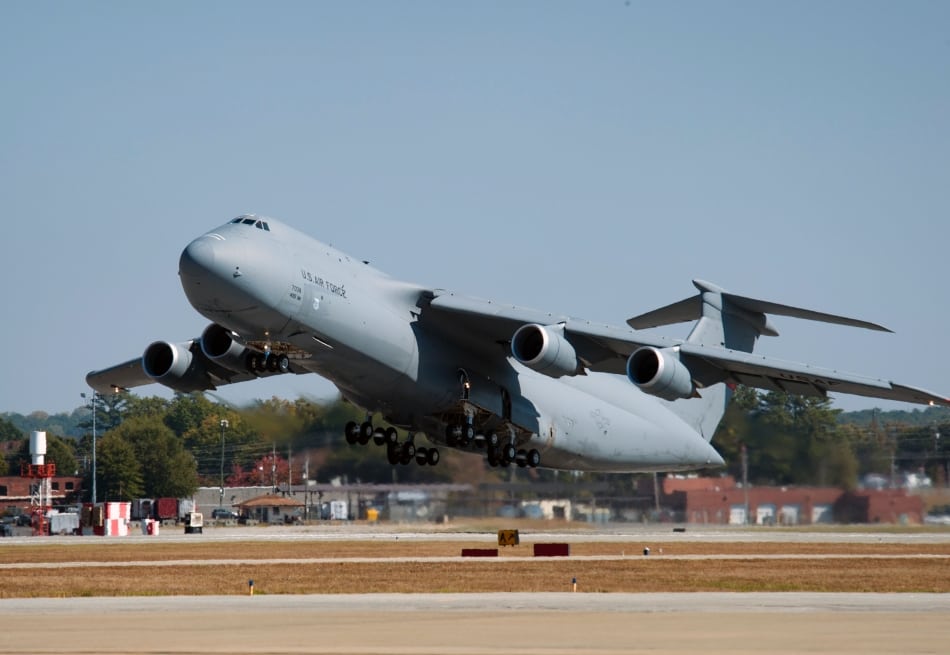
x,y
197,259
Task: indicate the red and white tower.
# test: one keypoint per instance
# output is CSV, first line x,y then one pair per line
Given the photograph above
x,y
40,491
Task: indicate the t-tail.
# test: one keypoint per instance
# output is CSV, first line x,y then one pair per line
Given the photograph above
x,y
728,326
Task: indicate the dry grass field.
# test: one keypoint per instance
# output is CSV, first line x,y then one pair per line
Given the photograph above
x,y
203,568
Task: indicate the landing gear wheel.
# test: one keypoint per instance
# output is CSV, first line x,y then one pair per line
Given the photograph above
x,y
393,454
508,453
491,439
422,456
379,437
366,433
283,364
271,363
521,459
352,433
533,458
392,436
492,457
432,457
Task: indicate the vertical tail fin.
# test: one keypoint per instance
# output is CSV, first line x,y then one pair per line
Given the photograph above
x,y
722,323
728,321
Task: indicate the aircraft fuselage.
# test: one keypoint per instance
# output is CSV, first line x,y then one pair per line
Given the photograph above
x,y
360,328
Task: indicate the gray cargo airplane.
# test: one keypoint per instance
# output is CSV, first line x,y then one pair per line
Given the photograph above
x,y
520,386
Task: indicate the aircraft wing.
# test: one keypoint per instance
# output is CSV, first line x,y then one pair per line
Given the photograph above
x,y
791,377
605,348
600,347
119,377
185,367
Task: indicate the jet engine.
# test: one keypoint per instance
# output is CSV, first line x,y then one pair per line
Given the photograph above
x,y
544,349
173,365
660,373
219,345
228,355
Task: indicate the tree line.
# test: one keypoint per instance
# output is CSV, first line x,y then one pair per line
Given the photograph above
x,y
149,447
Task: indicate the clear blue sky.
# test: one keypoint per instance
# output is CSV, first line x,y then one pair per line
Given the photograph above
x,y
588,158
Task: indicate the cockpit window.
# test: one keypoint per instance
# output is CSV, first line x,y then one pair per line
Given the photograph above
x,y
251,220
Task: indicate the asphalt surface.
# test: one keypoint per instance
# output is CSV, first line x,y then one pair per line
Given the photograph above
x,y
476,624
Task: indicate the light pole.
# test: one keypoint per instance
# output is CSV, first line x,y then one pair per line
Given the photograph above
x,y
95,401
224,426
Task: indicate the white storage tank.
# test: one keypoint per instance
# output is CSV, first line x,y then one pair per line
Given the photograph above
x,y
38,447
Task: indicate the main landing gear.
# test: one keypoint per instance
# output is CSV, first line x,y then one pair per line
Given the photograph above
x,y
465,436
397,452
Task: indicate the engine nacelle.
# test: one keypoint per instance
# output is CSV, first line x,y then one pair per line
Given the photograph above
x,y
173,365
544,349
219,345
660,373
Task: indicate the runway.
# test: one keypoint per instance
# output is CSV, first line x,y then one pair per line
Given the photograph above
x,y
540,623
477,624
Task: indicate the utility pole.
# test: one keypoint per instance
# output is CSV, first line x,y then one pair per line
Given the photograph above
x,y
95,402
224,426
745,481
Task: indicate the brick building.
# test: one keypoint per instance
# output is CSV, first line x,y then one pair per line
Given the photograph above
x,y
722,501
17,492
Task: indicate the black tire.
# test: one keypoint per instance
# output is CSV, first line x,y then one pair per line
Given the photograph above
x,y
352,433
393,454
283,364
366,433
468,431
271,363
508,453
521,459
534,458
392,436
492,439
422,456
379,437
408,450
432,458
405,459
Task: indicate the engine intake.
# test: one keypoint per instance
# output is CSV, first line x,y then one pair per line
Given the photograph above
x,y
544,349
219,345
173,365
660,373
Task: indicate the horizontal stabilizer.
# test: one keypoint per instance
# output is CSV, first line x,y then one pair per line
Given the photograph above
x,y
691,309
766,307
